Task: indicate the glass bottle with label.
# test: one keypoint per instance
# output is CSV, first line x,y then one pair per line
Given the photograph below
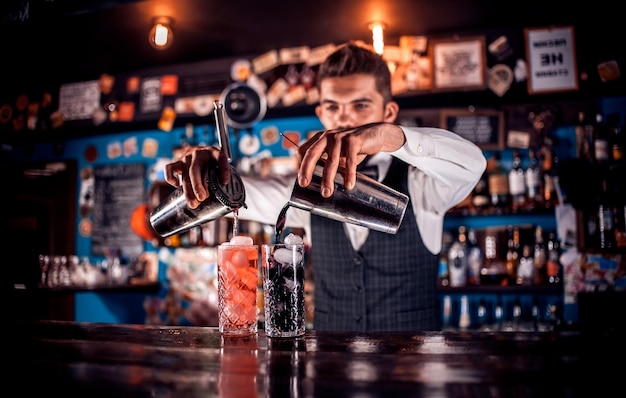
x,y
550,179
539,256
457,260
498,186
526,268
617,139
512,253
584,138
606,231
481,200
616,180
517,183
620,228
533,180
443,277
474,258
553,261
493,271
601,142
464,315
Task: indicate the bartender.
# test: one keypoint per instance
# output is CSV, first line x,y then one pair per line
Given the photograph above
x,y
364,280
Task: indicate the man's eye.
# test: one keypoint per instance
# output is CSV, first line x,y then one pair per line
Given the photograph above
x,y
361,106
331,108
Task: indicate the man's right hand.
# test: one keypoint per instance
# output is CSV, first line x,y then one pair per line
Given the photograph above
x,y
191,172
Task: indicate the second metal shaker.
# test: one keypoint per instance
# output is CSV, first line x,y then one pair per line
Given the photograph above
x,y
370,203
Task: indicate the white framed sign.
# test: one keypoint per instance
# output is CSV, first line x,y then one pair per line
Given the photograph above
x,y
551,56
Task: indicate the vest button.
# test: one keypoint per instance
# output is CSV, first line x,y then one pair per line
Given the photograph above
x,y
358,319
357,261
358,288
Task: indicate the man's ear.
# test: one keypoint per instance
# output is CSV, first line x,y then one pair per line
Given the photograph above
x,y
391,112
318,112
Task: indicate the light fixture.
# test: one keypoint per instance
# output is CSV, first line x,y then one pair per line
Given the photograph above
x,y
377,28
161,35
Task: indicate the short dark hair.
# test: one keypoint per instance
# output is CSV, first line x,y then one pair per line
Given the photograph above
x,y
352,58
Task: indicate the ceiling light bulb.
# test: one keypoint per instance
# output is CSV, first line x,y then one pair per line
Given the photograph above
x,y
161,33
377,36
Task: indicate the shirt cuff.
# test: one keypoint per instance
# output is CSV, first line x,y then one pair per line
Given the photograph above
x,y
417,144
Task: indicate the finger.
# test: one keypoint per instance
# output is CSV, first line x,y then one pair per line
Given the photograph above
x,y
314,151
188,189
198,173
332,164
173,172
353,156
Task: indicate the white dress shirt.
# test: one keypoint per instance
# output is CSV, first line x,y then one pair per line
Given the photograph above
x,y
444,170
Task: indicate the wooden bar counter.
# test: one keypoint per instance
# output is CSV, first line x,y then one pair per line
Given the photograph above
x,y
64,359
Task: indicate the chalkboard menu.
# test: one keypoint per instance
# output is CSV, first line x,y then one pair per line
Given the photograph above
x,y
483,128
118,190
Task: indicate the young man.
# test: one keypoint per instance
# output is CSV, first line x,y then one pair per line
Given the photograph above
x,y
364,280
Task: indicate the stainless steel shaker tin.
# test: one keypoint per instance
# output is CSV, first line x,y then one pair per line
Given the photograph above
x,y
370,203
173,216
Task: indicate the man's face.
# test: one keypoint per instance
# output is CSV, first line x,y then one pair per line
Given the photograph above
x,y
349,101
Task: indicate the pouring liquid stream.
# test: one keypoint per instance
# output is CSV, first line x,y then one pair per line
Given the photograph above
x,y
282,216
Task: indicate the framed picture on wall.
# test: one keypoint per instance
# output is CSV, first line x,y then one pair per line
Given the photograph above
x,y
551,57
483,127
459,64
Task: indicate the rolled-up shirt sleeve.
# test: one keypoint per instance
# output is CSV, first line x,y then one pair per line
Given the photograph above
x,y
445,169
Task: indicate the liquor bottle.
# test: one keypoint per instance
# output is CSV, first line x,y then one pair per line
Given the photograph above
x,y
498,186
584,138
481,315
553,262
493,271
601,142
526,268
535,315
550,178
533,180
474,258
616,180
443,277
457,260
481,201
464,316
620,228
517,183
539,256
516,319
512,254
617,139
498,316
606,231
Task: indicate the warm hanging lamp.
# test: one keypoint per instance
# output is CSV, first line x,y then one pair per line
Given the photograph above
x,y
378,42
161,35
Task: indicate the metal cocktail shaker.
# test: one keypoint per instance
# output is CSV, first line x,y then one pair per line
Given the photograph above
x,y
370,203
173,216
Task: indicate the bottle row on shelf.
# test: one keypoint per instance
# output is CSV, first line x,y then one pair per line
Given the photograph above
x,y
497,256
596,183
519,314
539,178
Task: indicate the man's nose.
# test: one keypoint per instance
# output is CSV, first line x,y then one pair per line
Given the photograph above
x,y
344,116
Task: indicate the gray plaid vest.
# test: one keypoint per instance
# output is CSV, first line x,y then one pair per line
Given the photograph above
x,y
388,285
